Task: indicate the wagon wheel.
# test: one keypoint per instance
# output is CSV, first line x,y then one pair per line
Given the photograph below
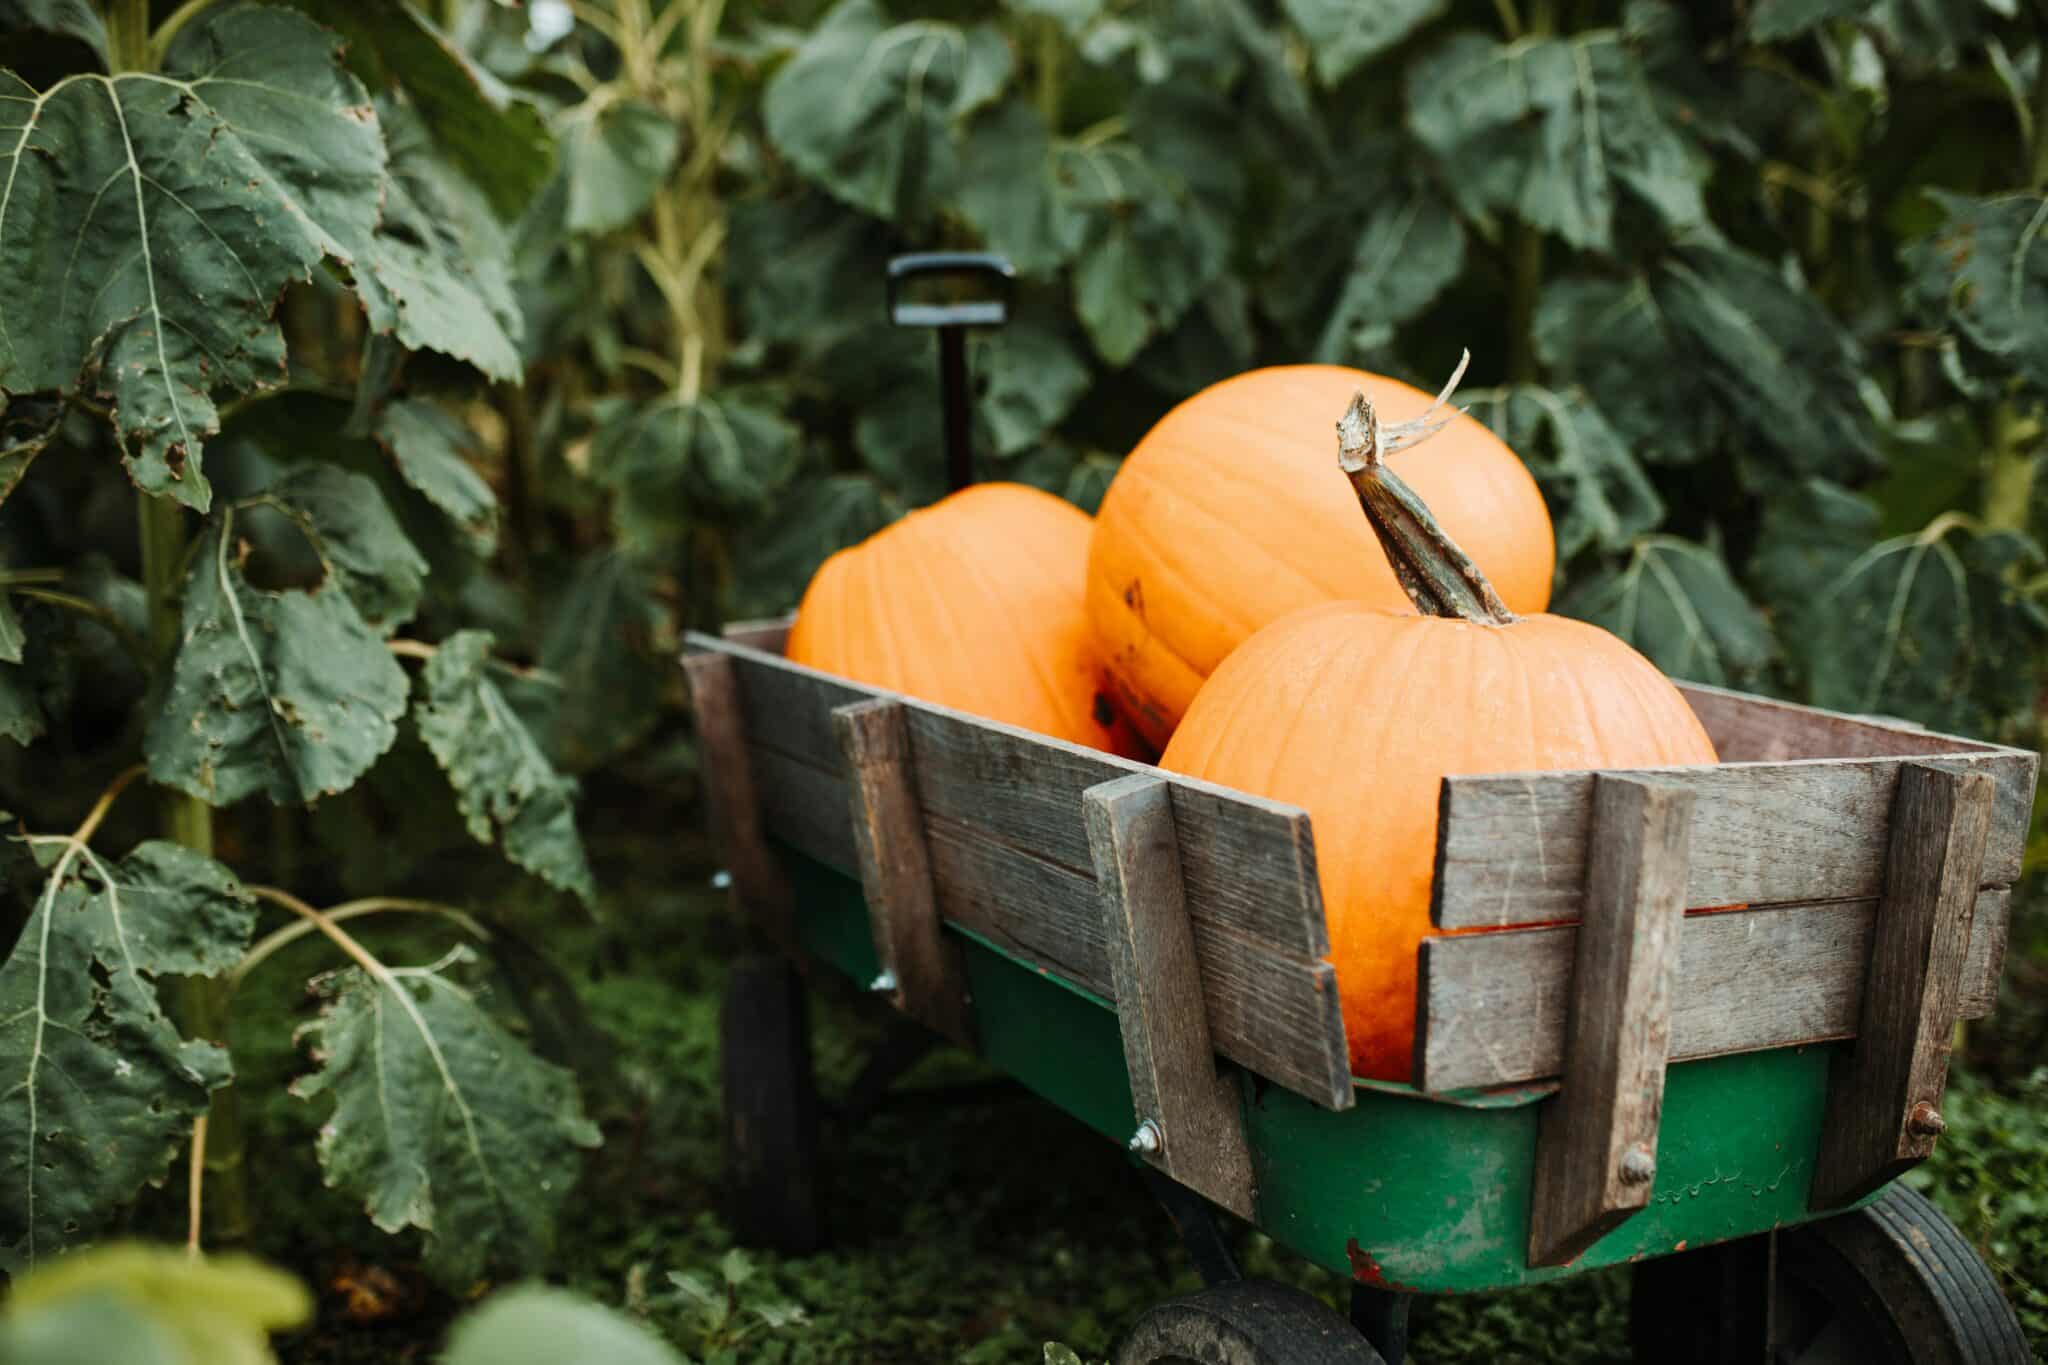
x,y
1245,1322
771,1107
1891,1284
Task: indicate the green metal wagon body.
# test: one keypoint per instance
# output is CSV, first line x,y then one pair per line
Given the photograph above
x,y
1425,1188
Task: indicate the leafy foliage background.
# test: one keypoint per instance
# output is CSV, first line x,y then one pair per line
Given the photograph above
x,y
429,369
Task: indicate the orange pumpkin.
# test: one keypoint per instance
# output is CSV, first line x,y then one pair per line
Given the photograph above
x,y
1357,714
1229,514
973,603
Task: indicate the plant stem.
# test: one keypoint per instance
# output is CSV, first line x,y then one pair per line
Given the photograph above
x,y
1526,266
2015,462
280,939
128,35
1049,52
167,31
1510,18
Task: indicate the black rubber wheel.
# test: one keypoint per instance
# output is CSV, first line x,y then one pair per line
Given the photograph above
x,y
771,1108
1245,1322
1891,1284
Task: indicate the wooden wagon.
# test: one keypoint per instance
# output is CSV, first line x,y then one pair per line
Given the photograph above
x,y
1645,1071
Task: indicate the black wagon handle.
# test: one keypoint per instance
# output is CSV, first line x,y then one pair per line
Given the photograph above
x,y
952,291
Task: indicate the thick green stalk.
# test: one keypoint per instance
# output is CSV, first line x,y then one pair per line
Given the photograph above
x,y
2015,463
128,35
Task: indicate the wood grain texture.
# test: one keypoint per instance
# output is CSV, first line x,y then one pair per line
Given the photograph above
x,y
759,887
1009,848
770,636
1750,729
896,871
1512,849
1596,1141
1491,1007
1160,1002
1884,1094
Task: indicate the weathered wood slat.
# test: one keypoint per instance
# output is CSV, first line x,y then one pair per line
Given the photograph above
x,y
1009,848
1491,1008
930,979
1190,1120
1884,1094
1747,729
1512,849
1596,1143
769,636
759,887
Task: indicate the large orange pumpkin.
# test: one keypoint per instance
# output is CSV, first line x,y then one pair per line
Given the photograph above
x,y
1229,514
1357,714
974,603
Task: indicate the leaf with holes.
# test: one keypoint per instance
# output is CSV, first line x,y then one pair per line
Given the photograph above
x,y
97,1088
432,451
673,460
355,535
149,223
1342,34
1601,494
503,782
1676,602
443,1121
1555,131
866,108
288,693
1988,268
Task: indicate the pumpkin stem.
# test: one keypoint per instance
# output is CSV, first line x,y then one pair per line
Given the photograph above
x,y
1438,577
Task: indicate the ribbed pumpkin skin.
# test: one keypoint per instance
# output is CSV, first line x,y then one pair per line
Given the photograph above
x,y
1356,715
1230,514
973,603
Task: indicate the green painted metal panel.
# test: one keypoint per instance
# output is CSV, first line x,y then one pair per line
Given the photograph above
x,y
1429,1193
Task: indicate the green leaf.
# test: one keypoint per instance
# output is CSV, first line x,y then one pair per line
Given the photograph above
x,y
866,108
1612,338
818,517
432,450
1036,373
89,1329
503,782
41,683
27,426
152,221
177,1307
1675,601
598,641
498,139
616,155
443,1121
1020,197
535,1325
1773,21
1410,248
1341,34
806,268
1214,341
289,693
438,273
1601,495
11,637
1553,130
69,18
673,461
100,1088
1783,367
1988,265
358,540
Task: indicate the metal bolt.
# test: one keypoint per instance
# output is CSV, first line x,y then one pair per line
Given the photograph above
x,y
1638,1166
1926,1121
883,984
1148,1139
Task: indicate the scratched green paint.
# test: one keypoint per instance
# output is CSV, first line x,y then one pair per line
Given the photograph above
x,y
1434,1193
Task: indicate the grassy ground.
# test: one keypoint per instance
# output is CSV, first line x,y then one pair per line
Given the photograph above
x,y
970,1221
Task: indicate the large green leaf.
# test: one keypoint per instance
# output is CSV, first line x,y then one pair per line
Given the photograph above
x,y
37,684
1989,266
673,461
537,1325
1554,131
1612,338
443,1121
27,426
504,783
1342,34
288,693
78,19
1783,367
598,642
149,223
438,273
432,452
1601,495
1021,196
498,139
1213,341
1773,21
97,1087
1036,371
866,108
1676,602
1410,247
164,1303
615,156
357,540
817,517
